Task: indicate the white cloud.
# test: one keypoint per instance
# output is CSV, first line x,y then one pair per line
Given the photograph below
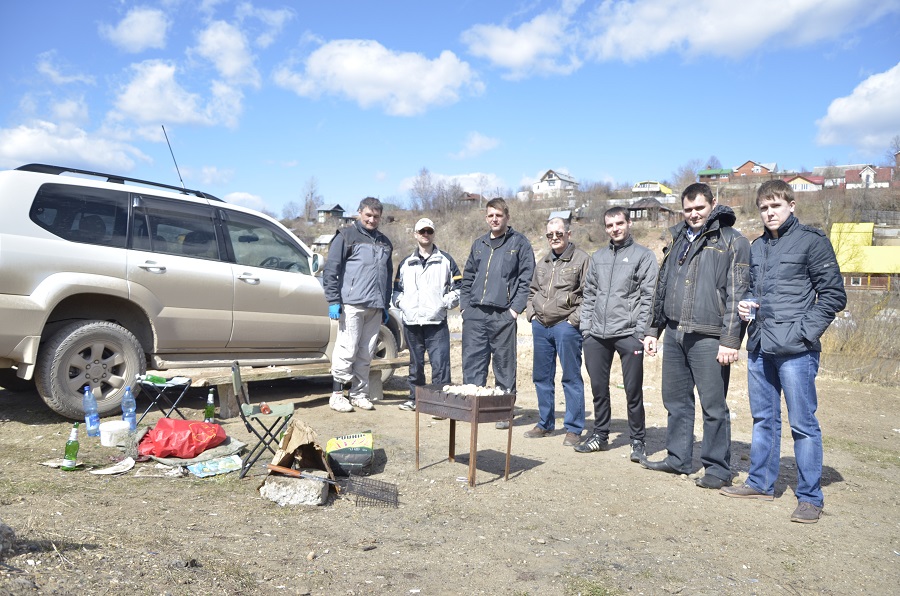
x,y
46,67
274,21
245,199
154,96
476,144
639,29
141,29
46,142
226,47
211,175
364,71
70,110
868,118
543,45
477,182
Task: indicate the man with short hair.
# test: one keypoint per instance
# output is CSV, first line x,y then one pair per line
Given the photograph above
x,y
426,287
494,291
704,274
554,303
796,288
357,282
615,316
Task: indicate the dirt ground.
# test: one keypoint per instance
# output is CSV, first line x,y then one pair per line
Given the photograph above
x,y
564,523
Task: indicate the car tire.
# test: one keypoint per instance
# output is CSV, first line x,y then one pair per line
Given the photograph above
x,y
386,348
10,381
96,353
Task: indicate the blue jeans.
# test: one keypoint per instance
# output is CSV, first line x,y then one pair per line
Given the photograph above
x,y
794,376
434,339
561,340
689,360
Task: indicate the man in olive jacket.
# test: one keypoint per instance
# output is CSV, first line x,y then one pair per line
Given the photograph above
x,y
797,287
618,293
704,274
494,292
554,302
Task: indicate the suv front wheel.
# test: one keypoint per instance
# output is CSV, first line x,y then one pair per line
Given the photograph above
x,y
101,354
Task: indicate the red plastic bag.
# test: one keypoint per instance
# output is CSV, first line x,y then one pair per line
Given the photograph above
x,y
181,438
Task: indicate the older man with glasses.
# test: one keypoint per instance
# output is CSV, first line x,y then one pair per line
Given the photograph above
x,y
554,305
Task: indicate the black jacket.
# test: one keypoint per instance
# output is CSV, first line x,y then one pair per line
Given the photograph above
x,y
704,290
498,277
799,288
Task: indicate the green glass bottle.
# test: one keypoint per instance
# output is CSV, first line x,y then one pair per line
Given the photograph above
x,y
70,462
209,412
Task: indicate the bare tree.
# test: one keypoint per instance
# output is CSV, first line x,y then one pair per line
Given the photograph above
x,y
713,163
291,211
421,195
890,154
312,200
686,175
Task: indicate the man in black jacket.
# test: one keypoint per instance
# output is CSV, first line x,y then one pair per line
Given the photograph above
x,y
702,278
796,288
494,292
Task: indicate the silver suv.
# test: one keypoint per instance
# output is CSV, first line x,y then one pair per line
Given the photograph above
x,y
100,280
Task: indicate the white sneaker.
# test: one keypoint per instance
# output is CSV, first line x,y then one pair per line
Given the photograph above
x,y
362,403
339,403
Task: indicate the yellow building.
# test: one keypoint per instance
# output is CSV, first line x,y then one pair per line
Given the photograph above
x,y
863,266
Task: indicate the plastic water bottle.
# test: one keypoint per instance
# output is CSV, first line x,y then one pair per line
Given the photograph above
x,y
91,417
129,409
209,412
70,461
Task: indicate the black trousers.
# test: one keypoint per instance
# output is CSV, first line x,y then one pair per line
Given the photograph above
x,y
489,337
598,358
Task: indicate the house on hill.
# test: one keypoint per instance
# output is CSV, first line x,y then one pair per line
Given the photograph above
x,y
650,212
863,266
869,177
554,185
805,182
335,212
752,169
714,176
647,189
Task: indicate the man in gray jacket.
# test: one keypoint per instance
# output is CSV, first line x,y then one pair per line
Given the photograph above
x,y
426,287
494,291
357,282
554,303
615,316
704,274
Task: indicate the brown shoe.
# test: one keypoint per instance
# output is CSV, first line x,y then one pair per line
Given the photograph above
x,y
536,433
571,440
806,513
744,492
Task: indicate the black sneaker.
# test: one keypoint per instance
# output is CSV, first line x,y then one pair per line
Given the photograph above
x,y
409,406
638,451
593,443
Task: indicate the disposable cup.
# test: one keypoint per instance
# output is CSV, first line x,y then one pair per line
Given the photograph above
x,y
112,432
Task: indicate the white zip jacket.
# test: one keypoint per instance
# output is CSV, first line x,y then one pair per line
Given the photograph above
x,y
425,291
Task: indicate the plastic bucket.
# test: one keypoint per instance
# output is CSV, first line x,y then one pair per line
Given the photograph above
x,y
112,432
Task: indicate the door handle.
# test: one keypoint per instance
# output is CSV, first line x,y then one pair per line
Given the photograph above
x,y
250,279
152,267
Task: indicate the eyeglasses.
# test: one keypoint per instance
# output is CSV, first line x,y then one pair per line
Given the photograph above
x,y
428,231
552,235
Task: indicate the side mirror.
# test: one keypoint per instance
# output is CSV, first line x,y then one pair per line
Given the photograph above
x,y
315,262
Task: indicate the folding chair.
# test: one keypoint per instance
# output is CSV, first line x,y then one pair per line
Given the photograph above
x,y
158,397
266,433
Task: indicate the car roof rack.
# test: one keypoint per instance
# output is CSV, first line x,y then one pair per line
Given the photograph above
x,y
115,179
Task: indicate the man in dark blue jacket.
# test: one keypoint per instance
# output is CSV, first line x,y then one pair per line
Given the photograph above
x,y
357,281
796,288
494,292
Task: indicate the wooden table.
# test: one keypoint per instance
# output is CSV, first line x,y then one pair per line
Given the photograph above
x,y
473,409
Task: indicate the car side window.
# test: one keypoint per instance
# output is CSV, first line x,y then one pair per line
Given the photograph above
x,y
82,214
175,228
257,243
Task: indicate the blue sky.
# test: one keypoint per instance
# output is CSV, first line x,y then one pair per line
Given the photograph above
x,y
260,97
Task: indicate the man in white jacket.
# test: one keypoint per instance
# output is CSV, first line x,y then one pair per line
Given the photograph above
x,y
425,288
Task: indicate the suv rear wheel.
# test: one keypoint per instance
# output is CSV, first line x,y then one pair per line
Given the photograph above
x,y
101,354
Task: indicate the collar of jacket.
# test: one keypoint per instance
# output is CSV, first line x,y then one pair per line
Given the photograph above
x,y
785,228
487,237
435,252
721,216
363,230
628,242
565,256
